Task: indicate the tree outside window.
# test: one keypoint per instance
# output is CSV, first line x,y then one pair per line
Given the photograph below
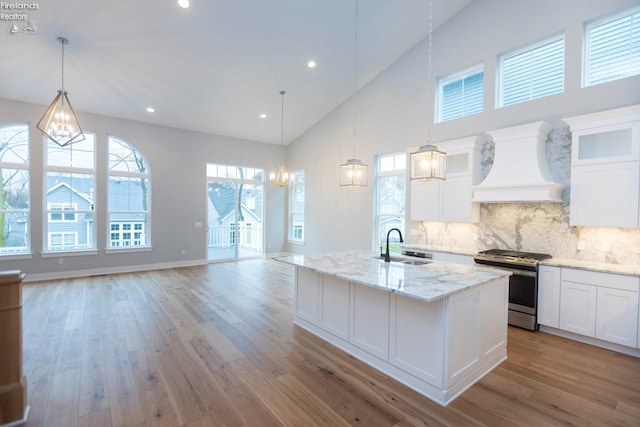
x,y
14,189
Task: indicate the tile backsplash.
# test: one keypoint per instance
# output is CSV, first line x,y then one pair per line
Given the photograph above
x,y
537,227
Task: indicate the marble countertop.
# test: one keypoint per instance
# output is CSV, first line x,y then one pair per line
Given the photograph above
x,y
428,282
604,267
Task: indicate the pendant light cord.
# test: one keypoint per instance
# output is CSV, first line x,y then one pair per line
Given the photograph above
x,y
282,92
62,42
355,78
430,48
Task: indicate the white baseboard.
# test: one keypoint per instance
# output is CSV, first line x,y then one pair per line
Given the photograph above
x,y
111,270
591,341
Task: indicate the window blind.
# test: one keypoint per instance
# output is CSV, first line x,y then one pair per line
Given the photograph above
x,y
532,73
461,95
612,49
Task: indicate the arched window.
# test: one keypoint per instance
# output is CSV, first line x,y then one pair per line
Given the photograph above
x,y
14,189
129,197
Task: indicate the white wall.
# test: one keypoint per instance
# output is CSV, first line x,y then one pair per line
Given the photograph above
x,y
392,110
177,160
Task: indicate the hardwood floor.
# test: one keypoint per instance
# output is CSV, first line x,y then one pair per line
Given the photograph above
x,y
215,345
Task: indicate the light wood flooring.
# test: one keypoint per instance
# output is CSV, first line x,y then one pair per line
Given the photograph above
x,y
215,345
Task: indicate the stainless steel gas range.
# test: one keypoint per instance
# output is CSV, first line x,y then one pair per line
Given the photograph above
x,y
523,284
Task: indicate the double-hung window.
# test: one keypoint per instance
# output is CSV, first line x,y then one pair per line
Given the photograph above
x,y
390,196
14,189
530,73
460,94
70,196
296,207
612,48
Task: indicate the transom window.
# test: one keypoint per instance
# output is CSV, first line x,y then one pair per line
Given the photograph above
x,y
533,72
460,94
612,48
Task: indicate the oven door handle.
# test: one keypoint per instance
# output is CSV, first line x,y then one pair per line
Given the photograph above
x,y
515,271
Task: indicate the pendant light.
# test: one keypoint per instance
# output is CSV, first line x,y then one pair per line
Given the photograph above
x,y
59,123
354,173
428,163
281,177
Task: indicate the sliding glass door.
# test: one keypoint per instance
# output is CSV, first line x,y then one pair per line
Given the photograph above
x,y
235,212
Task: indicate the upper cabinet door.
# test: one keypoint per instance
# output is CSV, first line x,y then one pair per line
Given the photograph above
x,y
605,168
450,200
605,195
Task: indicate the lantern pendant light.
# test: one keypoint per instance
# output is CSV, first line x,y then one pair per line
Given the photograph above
x,y
354,173
59,123
428,163
280,178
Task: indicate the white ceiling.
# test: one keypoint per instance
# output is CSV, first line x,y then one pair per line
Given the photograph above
x,y
213,67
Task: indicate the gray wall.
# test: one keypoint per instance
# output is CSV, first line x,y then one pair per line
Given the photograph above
x,y
177,160
393,111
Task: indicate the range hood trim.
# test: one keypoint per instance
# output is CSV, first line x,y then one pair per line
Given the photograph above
x,y
519,173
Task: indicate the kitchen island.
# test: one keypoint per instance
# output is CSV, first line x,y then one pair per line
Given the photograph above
x,y
436,327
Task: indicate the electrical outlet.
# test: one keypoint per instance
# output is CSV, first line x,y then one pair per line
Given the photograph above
x,y
60,261
183,252
606,247
581,245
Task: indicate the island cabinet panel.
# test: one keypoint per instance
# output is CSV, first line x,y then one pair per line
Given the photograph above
x,y
370,320
417,338
334,306
307,295
476,332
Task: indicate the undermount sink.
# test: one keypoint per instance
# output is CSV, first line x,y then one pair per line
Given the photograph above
x,y
409,261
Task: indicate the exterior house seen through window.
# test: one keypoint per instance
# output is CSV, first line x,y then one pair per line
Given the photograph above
x,y
390,199
128,196
14,189
296,207
70,193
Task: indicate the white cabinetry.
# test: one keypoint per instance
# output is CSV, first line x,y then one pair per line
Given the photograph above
x,y
605,168
370,320
578,308
437,348
334,306
549,296
617,316
417,337
600,305
307,295
450,200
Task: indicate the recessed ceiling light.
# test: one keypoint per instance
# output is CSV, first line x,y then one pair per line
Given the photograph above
x,y
263,116
311,64
151,110
184,3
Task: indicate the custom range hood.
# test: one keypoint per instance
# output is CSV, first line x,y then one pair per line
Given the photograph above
x,y
519,172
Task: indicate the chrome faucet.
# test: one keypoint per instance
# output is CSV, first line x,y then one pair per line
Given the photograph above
x,y
387,258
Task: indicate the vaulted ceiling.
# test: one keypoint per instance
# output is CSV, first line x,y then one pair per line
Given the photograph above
x,y
213,67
